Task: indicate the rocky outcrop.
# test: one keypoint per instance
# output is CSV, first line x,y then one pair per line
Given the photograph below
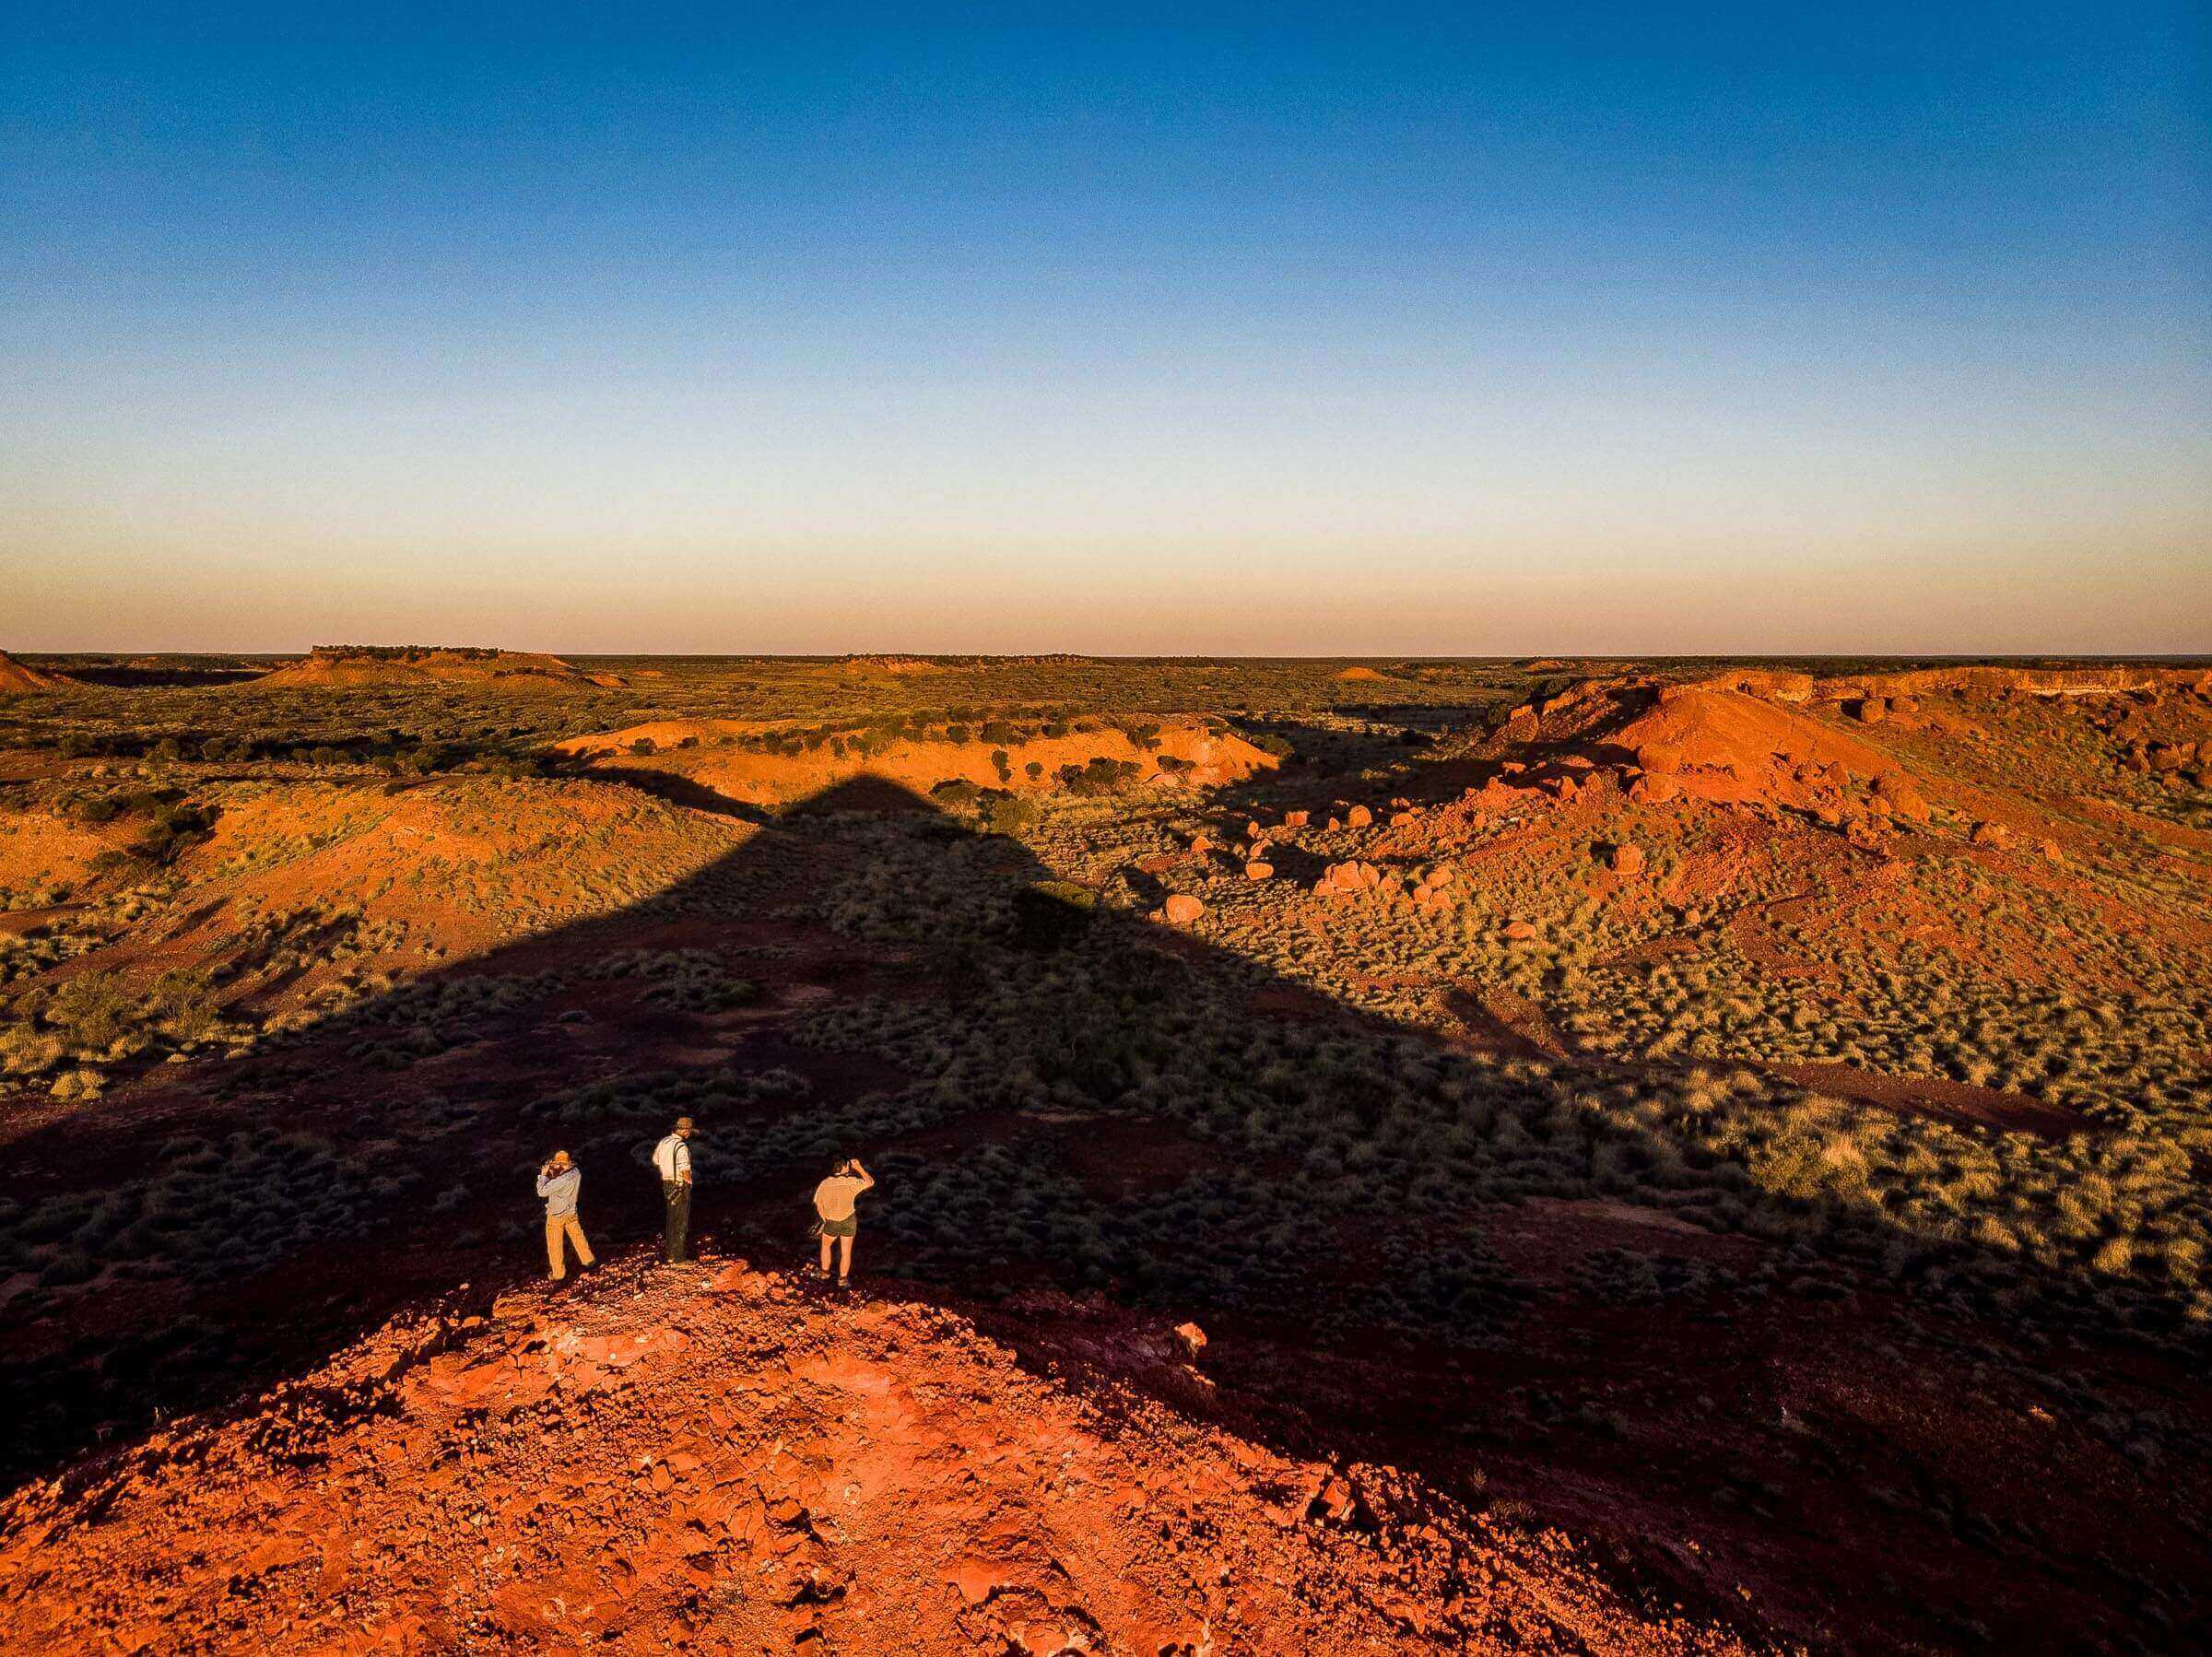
x,y
1434,890
21,677
716,1461
1348,879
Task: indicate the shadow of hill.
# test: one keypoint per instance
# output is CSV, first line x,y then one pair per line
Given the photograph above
x,y
140,678
1058,1098
677,790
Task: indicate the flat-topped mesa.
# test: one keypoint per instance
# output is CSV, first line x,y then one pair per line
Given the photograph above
x,y
2016,681
902,666
1775,685
348,664
17,677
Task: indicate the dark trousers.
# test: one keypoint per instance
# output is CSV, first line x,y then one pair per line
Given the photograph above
x,y
677,1233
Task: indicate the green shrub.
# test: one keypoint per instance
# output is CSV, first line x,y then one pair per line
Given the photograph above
x,y
1010,814
94,1009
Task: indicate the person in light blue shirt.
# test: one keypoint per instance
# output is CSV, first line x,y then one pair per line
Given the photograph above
x,y
557,1183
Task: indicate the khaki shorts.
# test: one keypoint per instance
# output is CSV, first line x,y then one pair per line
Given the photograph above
x,y
848,1227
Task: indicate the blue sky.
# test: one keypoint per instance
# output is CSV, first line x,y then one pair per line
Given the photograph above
x,y
1286,330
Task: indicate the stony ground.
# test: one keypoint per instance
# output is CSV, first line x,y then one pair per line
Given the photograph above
x,y
724,1460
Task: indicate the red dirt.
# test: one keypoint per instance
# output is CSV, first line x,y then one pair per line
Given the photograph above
x,y
1725,746
707,1459
1937,1097
1545,1237
1500,1022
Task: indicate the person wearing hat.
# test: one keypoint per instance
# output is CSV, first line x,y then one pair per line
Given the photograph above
x,y
672,1157
556,1183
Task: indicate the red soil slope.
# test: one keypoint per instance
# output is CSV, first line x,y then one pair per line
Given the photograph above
x,y
16,677
1715,739
710,1460
1786,739
38,852
450,864
1727,746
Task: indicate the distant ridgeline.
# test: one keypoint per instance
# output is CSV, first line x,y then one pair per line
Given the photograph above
x,y
330,665
402,652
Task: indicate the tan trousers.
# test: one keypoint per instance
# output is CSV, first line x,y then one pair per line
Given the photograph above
x,y
556,1229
